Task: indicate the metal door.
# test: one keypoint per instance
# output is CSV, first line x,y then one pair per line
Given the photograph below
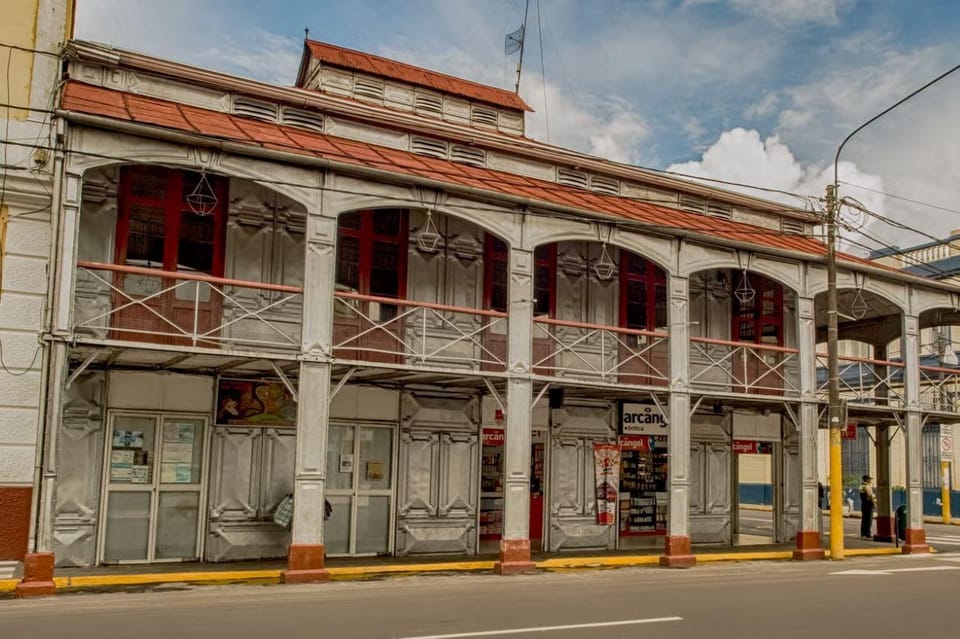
x,y
360,477
153,477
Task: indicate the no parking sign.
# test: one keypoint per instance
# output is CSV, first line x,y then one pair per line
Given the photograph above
x,y
946,443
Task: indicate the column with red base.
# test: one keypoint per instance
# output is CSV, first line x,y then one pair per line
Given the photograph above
x,y
808,537
515,557
306,558
916,538
677,552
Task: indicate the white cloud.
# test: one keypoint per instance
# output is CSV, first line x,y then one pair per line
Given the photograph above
x,y
740,155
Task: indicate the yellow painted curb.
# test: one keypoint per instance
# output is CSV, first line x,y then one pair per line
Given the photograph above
x,y
359,572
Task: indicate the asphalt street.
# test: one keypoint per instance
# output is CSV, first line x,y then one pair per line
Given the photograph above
x,y
911,596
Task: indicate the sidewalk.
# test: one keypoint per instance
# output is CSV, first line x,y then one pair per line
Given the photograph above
x,y
269,572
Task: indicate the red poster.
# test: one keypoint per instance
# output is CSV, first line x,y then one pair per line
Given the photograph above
x,y
606,459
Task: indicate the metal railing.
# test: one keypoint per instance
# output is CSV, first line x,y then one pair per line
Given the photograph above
x,y
383,329
133,303
863,380
939,389
743,367
597,352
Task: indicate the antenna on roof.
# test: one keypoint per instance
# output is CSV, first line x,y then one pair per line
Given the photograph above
x,y
306,33
514,42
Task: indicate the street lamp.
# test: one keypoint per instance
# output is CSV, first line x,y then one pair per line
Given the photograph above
x,y
833,363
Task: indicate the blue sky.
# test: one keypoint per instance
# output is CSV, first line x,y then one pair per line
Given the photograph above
x,y
757,91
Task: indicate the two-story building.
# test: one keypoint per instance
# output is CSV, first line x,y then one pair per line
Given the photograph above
x,y
372,292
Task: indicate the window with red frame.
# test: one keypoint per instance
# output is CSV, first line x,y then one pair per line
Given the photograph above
x,y
761,319
545,280
372,252
643,293
156,227
496,269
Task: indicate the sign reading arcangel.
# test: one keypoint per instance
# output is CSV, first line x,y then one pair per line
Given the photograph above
x,y
642,419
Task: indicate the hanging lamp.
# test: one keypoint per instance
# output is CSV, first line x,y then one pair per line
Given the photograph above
x,y
745,293
203,201
428,238
604,267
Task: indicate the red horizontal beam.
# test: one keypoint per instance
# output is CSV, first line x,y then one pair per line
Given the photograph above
x,y
599,327
436,307
194,277
751,345
864,360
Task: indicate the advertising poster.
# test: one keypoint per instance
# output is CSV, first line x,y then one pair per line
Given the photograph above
x,y
255,403
606,459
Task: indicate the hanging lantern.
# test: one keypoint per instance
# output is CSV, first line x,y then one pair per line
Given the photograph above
x,y
428,238
745,292
859,306
604,267
203,201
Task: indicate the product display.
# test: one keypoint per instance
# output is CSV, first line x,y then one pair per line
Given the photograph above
x,y
643,485
491,485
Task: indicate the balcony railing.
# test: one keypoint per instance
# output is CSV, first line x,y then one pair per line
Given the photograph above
x,y
139,304
600,353
382,329
939,389
866,381
743,367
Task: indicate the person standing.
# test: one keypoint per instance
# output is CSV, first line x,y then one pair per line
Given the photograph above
x,y
868,504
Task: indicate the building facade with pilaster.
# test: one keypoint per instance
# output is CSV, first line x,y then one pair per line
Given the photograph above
x,y
370,293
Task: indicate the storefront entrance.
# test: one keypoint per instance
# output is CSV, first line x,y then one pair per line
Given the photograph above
x,y
152,488
755,515
359,488
491,488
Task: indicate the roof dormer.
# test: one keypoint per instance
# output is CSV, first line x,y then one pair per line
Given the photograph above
x,y
368,78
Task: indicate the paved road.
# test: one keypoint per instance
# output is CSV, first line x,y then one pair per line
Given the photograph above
x,y
911,596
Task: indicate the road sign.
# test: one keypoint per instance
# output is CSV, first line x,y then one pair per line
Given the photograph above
x,y
946,443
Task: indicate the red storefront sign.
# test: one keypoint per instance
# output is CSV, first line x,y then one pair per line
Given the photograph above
x,y
643,443
849,432
751,447
492,437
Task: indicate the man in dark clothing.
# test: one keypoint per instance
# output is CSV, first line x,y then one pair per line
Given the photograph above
x,y
868,504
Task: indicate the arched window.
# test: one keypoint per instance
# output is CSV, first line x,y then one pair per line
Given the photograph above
x,y
643,293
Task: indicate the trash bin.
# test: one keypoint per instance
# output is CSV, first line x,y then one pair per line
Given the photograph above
x,y
901,522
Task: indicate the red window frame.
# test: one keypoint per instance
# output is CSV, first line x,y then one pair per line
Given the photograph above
x,y
174,207
367,235
634,268
763,316
545,262
496,259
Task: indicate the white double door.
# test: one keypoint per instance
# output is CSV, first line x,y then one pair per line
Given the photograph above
x,y
359,487
152,488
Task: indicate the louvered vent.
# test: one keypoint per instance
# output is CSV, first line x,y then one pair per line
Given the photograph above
x,y
302,119
468,155
794,227
721,211
250,108
484,116
429,103
692,204
428,146
569,177
370,88
605,185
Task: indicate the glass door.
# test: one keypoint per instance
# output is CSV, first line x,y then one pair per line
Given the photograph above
x,y
360,489
152,488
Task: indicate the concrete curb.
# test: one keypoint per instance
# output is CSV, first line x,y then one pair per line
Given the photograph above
x,y
272,576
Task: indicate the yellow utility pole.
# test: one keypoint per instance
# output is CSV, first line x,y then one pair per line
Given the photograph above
x,y
945,490
833,365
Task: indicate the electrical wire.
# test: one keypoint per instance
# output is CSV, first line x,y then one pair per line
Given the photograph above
x,y
26,370
899,225
902,198
543,75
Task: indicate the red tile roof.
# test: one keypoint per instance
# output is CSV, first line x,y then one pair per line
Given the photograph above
x,y
382,67
84,98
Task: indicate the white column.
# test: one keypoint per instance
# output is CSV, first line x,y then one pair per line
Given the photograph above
x,y
515,544
677,550
808,537
916,536
306,558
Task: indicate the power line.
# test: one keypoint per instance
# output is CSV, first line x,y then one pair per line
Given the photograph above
x,y
900,225
900,197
